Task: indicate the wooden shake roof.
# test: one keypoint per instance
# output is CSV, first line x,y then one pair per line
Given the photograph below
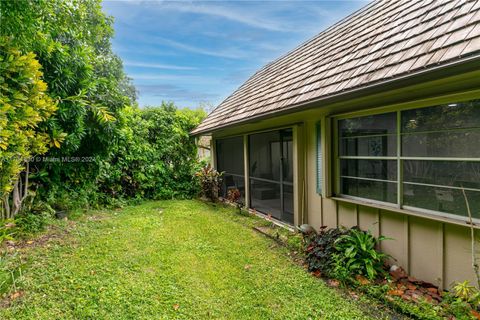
x,y
381,42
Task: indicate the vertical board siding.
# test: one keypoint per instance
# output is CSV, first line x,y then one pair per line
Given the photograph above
x,y
329,213
393,225
347,215
368,219
425,246
457,255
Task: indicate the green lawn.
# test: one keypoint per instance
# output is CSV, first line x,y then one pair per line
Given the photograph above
x,y
167,260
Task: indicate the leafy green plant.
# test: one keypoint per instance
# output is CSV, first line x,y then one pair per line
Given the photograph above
x,y
464,290
24,105
320,250
358,254
210,180
7,230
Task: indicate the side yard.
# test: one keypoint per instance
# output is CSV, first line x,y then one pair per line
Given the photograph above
x,y
164,260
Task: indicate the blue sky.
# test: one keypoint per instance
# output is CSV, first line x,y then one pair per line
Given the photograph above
x,y
198,52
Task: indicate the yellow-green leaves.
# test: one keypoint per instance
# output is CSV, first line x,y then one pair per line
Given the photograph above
x,y
23,106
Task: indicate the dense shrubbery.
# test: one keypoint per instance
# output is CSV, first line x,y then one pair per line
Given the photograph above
x,y
98,147
155,157
23,106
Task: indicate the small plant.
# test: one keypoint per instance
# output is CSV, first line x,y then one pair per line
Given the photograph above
x,y
7,230
320,250
358,254
234,195
210,180
339,270
464,290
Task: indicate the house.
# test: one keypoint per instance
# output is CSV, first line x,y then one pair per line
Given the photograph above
x,y
374,122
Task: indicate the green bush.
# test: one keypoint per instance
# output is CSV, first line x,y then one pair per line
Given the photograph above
x,y
320,249
357,254
344,253
155,157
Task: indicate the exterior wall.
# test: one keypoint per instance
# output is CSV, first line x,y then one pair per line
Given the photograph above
x,y
429,248
434,251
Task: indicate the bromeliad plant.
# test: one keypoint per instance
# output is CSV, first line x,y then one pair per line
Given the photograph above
x,y
357,254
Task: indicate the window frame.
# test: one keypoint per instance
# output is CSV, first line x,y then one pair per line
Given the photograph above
x,y
399,205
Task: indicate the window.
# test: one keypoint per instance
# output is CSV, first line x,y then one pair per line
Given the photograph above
x,y
425,159
319,158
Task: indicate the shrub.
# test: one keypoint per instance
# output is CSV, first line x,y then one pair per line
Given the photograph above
x,y
210,180
357,253
344,253
154,157
320,249
24,105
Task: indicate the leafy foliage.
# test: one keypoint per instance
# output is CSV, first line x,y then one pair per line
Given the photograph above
x,y
210,180
155,157
344,253
24,105
357,253
103,149
320,249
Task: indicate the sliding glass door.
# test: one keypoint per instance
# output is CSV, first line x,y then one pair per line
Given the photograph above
x,y
230,161
271,173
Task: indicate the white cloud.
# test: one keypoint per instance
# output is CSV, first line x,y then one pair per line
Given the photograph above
x,y
247,18
156,66
231,53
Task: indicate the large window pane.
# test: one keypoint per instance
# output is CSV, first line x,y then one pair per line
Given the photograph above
x,y
444,117
374,190
287,156
369,146
379,124
271,173
265,155
265,197
447,144
372,136
445,131
373,169
441,199
443,173
230,155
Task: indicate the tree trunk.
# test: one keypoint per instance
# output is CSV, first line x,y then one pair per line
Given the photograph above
x,y
18,195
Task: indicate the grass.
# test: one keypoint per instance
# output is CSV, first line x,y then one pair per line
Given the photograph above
x,y
165,260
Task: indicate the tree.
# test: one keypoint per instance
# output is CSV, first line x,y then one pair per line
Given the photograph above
x,y
23,106
71,40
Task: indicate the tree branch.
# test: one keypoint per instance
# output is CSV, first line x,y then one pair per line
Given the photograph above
x,y
475,265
